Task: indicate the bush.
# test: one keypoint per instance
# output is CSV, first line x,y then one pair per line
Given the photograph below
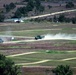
x,y
74,20
61,18
69,5
49,6
8,67
2,17
9,7
12,5
62,70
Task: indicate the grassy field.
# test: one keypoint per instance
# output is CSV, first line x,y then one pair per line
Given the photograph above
x,y
35,28
47,52
54,58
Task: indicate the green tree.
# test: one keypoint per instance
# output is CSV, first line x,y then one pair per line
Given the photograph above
x,y
67,20
74,20
12,5
37,4
69,5
30,5
49,6
38,7
22,11
18,14
8,67
2,17
25,0
61,18
55,19
7,7
62,70
41,9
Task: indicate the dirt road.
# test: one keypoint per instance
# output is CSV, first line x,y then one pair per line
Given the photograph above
x,y
45,15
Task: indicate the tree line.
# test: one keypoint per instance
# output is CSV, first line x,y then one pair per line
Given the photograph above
x,y
61,18
36,6
32,5
9,7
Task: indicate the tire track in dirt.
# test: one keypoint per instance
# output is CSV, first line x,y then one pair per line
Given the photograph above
x,y
67,59
44,61
38,62
21,54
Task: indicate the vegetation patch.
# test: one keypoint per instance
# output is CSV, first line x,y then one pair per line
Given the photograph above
x,y
55,52
55,58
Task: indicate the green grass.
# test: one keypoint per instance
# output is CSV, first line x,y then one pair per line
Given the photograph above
x,y
55,58
35,28
72,42
24,59
56,63
30,33
35,32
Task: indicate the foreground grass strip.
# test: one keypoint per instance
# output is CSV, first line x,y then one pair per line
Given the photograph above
x,y
38,62
44,61
21,54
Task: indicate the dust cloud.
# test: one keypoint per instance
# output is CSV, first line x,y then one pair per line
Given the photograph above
x,y
59,36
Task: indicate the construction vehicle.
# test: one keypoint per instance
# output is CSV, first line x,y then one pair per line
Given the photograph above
x,y
39,37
